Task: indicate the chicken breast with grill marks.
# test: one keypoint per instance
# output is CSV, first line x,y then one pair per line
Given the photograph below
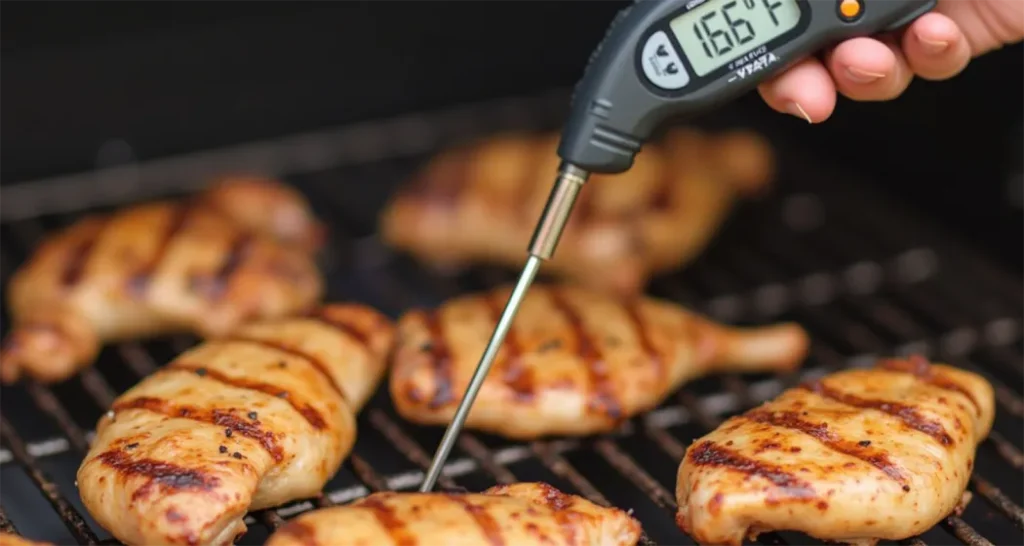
x,y
254,420
203,265
11,539
861,455
479,204
523,514
575,362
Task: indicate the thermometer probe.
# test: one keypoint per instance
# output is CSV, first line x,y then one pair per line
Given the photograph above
x,y
662,59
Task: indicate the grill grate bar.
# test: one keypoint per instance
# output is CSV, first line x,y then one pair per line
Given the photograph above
x,y
476,449
270,519
47,401
137,358
98,388
630,469
72,519
366,474
1006,450
673,447
964,532
999,500
407,446
555,462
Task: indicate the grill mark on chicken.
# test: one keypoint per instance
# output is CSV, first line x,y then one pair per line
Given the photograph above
x,y
919,367
515,375
223,418
309,413
661,197
603,389
322,316
646,345
215,286
710,454
441,361
907,414
74,267
139,281
389,520
819,431
317,364
488,525
560,505
161,474
302,532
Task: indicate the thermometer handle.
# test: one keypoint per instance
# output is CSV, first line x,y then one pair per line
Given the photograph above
x,y
616,105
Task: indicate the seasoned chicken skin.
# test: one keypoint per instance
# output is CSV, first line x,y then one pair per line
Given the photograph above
x,y
861,455
254,420
158,268
575,362
10,539
480,204
523,514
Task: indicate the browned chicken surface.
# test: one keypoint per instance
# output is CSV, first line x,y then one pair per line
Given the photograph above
x,y
861,455
202,265
253,420
480,204
10,539
523,514
575,362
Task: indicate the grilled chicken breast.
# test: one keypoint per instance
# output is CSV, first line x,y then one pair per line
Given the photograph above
x,y
267,206
196,265
575,362
861,455
10,539
480,204
250,421
523,514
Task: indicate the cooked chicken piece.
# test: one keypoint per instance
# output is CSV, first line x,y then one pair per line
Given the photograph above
x,y
575,362
523,514
858,456
154,268
480,204
269,207
10,539
254,420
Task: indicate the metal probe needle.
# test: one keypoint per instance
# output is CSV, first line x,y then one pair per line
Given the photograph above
x,y
556,213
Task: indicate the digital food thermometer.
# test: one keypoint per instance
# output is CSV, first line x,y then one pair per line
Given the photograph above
x,y
662,59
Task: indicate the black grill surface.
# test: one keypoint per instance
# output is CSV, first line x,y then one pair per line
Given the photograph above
x,y
864,277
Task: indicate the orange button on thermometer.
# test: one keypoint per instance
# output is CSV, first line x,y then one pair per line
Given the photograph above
x,y
850,10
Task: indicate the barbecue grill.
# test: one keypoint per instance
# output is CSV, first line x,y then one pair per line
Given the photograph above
x,y
864,278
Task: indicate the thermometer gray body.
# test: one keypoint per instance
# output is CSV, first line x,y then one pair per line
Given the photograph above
x,y
663,59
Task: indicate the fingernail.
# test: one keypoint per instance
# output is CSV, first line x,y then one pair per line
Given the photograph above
x,y
863,76
933,47
795,109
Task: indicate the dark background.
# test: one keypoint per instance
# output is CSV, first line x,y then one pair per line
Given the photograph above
x,y
173,77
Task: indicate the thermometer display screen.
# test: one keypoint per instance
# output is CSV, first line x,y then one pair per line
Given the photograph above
x,y
719,31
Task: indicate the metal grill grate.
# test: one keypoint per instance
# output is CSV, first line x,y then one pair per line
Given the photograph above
x,y
864,279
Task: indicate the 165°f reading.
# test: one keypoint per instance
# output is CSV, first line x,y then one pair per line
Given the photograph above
x,y
718,32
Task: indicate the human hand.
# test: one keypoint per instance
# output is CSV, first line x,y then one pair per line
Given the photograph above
x,y
937,46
